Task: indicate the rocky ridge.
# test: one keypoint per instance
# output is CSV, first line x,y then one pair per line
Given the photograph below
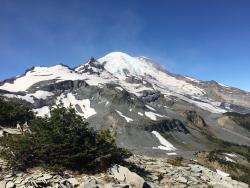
x,y
154,172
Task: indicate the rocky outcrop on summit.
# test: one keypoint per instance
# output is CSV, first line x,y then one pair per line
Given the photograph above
x,y
92,67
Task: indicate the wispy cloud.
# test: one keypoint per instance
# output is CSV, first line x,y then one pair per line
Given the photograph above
x,y
124,31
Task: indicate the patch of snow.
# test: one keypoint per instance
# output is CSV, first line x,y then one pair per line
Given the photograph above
x,y
152,115
119,88
84,104
231,154
192,79
224,174
125,117
209,107
204,105
165,145
96,70
107,103
227,106
42,94
130,109
229,159
99,80
27,97
30,97
139,113
150,108
171,153
223,85
215,103
136,89
167,97
41,112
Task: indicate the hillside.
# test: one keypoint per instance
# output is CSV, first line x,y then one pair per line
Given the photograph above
x,y
151,111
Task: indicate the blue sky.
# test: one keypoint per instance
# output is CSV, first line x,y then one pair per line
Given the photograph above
x,y
206,39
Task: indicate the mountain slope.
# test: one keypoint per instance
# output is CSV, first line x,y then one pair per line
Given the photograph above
x,y
135,97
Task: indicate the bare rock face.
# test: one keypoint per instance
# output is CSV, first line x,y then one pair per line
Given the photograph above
x,y
167,125
150,96
195,119
91,67
123,174
226,122
225,93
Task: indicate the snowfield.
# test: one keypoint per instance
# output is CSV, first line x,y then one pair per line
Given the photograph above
x,y
85,109
150,108
192,79
125,117
119,88
206,105
41,112
229,159
28,97
38,74
231,154
42,94
165,145
152,115
224,174
122,65
140,114
117,66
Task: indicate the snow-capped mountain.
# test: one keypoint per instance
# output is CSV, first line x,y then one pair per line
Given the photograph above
x,y
136,98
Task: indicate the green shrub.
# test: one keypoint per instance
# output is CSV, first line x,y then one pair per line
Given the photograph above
x,y
62,141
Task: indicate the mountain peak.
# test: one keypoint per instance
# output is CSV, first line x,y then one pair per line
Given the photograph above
x,y
123,65
117,54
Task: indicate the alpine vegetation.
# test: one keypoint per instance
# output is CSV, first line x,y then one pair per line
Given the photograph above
x,y
62,141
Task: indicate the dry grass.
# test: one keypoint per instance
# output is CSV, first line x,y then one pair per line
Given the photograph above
x,y
176,162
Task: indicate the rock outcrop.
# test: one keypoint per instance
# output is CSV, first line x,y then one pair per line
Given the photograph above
x,y
167,125
159,173
195,119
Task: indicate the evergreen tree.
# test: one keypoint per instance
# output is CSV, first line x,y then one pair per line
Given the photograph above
x,y
62,141
13,112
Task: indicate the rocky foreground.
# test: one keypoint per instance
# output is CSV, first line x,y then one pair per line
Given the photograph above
x,y
153,173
